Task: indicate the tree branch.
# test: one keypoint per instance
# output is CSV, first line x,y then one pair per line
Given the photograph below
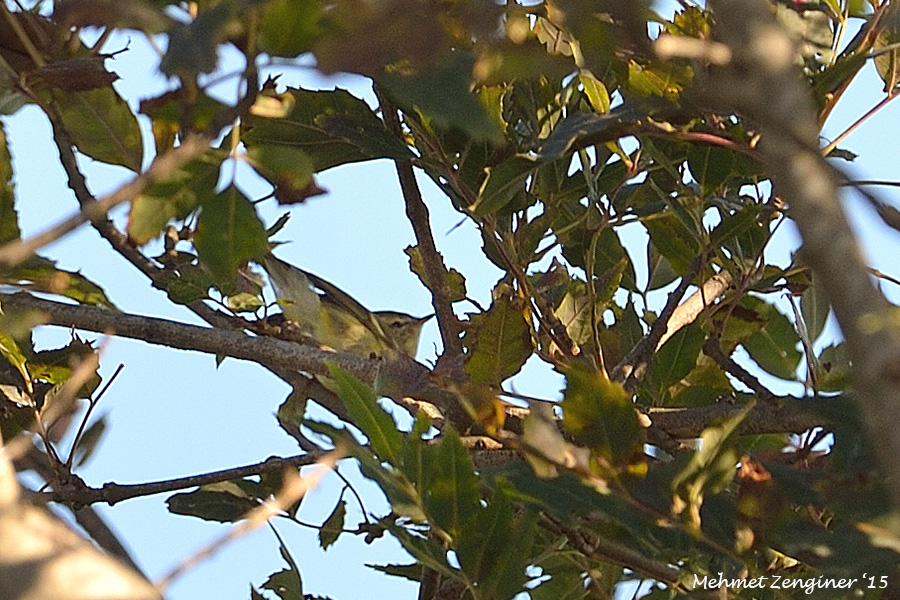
x,y
784,415
404,378
95,210
762,83
630,369
111,493
432,261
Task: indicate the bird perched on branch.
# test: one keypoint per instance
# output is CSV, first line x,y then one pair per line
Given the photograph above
x,y
335,319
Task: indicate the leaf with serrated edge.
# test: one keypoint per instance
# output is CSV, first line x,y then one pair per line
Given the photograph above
x,y
333,526
365,413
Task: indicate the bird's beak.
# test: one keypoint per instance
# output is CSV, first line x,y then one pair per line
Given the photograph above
x,y
425,319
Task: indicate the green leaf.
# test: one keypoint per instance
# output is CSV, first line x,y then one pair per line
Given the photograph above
x,y
428,552
568,585
494,549
102,126
412,571
710,166
674,360
90,441
586,129
455,282
666,79
288,169
596,91
611,263
56,366
672,239
289,27
287,583
332,127
713,466
660,273
229,233
365,413
9,220
774,347
815,308
193,45
333,526
41,274
887,64
11,351
733,226
501,184
601,416
498,343
225,502
450,494
574,312
442,92
833,368
175,197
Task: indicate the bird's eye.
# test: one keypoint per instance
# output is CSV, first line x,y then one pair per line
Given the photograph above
x,y
396,325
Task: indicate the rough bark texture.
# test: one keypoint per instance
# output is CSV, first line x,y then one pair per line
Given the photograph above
x,y
762,84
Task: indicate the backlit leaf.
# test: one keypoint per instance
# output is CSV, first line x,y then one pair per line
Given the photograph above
x,y
499,342
774,347
102,126
375,423
333,526
674,360
332,127
9,220
601,416
174,197
229,232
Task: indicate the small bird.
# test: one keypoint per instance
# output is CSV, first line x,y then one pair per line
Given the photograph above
x,y
336,319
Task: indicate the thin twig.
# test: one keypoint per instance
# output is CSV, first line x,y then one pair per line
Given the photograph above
x,y
17,251
295,487
112,493
92,403
713,349
884,102
632,366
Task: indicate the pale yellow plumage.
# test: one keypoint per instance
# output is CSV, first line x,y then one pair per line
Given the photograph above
x,y
336,319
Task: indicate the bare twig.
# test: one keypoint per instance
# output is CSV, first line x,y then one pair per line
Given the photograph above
x,y
713,349
295,487
632,366
15,252
112,493
613,552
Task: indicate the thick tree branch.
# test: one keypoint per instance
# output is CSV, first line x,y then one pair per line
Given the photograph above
x,y
404,378
785,415
432,262
267,351
763,84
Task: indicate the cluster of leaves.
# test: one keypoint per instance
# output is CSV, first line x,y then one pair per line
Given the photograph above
x,y
558,134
